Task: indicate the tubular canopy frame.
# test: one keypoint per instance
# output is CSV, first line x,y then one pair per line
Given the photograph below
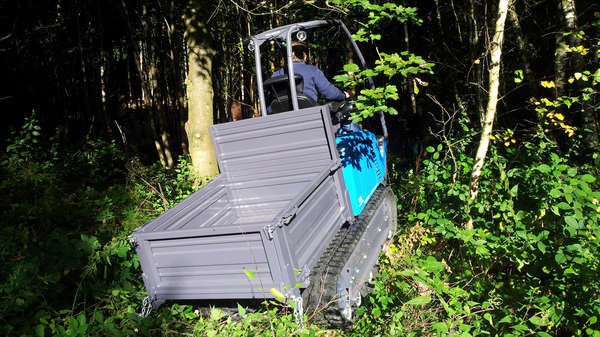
x,y
284,33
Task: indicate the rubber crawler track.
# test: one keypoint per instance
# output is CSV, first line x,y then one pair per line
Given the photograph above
x,y
320,297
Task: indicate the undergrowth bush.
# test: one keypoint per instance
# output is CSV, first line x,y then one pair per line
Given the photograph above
x,y
63,243
530,264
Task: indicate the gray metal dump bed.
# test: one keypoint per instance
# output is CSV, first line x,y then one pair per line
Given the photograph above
x,y
276,205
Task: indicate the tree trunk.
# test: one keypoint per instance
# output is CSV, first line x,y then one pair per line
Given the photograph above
x,y
200,98
561,58
521,41
494,81
476,58
83,120
410,83
439,16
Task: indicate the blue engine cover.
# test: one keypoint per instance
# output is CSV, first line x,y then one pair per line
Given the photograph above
x,y
363,164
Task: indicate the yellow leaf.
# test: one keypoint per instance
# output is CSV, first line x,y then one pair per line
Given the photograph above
x,y
415,87
513,141
249,274
492,137
571,80
506,143
548,84
421,82
559,116
277,294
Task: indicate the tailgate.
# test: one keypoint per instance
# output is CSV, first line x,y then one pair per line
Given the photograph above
x,y
206,267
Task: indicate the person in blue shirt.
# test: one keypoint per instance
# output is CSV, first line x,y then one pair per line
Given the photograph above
x,y
315,81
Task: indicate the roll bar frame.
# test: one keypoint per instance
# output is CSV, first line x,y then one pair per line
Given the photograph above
x,y
284,33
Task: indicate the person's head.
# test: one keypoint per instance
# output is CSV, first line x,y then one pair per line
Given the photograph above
x,y
299,51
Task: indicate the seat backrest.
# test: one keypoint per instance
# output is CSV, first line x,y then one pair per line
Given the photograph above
x,y
278,93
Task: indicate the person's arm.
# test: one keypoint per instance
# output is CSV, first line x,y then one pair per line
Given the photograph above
x,y
327,89
277,73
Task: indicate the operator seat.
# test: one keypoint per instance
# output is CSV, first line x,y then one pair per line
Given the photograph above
x,y
278,93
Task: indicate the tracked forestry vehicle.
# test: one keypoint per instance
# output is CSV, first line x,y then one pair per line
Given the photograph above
x,y
301,204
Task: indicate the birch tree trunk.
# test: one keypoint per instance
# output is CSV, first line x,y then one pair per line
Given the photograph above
x,y
490,113
561,58
200,97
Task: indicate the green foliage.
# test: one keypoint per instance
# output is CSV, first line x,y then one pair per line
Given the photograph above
x,y
58,206
530,264
370,101
23,142
578,102
376,14
162,189
373,100
64,248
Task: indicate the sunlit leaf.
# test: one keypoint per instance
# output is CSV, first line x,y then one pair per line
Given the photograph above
x,y
241,310
548,84
351,68
420,300
280,297
249,274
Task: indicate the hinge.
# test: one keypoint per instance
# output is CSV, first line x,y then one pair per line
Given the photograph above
x,y
286,219
270,230
133,242
336,165
304,273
